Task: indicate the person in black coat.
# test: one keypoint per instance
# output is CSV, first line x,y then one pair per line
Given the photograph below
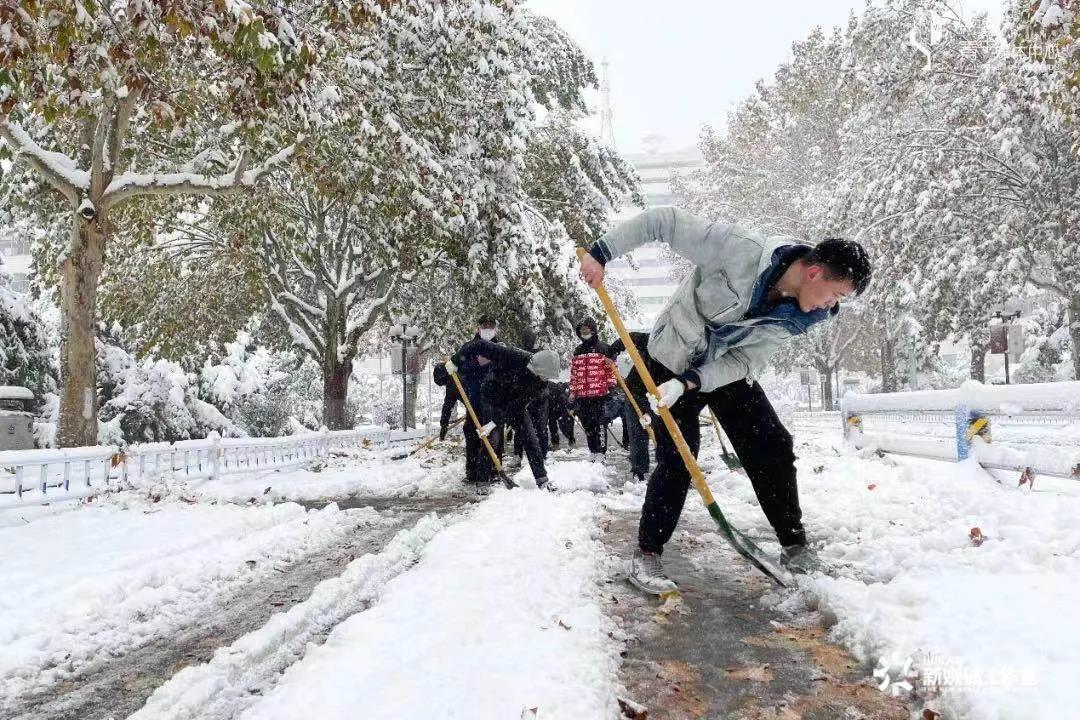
x,y
472,373
634,434
537,407
450,398
516,378
559,417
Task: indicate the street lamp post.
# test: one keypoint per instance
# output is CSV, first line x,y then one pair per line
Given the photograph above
x,y
404,334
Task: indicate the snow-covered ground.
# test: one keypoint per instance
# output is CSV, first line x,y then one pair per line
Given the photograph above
x,y
988,620
359,473
496,612
500,615
80,586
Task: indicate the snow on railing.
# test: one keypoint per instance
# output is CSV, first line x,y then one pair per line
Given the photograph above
x,y
971,408
35,477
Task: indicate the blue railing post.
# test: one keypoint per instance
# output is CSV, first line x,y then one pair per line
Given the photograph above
x,y
969,424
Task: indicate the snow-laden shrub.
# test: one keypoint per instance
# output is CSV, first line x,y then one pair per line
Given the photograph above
x,y
150,400
24,343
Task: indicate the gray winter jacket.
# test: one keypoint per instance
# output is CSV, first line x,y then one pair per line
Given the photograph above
x,y
702,333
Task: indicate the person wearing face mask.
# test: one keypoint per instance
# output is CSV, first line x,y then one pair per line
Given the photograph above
x,y
590,382
517,378
473,371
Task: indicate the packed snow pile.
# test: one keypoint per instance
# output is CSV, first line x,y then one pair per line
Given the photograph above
x,y
500,616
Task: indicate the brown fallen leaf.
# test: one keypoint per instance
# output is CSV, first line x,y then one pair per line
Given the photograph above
x,y
752,673
632,710
1027,478
929,714
528,713
977,538
871,486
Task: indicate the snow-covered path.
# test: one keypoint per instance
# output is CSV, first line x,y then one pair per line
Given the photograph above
x,y
500,616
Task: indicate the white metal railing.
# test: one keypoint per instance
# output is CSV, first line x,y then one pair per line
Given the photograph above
x,y
35,477
956,424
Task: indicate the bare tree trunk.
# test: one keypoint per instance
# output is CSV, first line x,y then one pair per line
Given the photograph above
x,y
80,273
1074,333
335,389
888,366
978,360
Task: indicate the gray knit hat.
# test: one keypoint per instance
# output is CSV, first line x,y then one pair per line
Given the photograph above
x,y
545,364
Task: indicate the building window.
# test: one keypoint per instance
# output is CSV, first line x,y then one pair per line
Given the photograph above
x,y
11,246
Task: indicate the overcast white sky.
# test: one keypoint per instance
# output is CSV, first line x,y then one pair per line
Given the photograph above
x,y
679,64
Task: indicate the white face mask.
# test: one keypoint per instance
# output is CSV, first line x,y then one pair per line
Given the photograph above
x,y
586,336
487,334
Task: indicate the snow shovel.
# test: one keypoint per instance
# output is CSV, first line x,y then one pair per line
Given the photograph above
x,y
742,544
646,420
483,438
427,443
730,459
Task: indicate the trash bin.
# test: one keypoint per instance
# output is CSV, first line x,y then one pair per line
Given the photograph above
x,y
16,419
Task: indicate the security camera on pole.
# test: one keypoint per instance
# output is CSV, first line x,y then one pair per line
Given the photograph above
x,y
1005,338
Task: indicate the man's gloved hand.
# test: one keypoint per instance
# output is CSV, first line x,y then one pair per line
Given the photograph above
x,y
450,366
670,392
487,428
645,420
625,363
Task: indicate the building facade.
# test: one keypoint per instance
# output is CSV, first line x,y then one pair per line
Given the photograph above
x,y
652,283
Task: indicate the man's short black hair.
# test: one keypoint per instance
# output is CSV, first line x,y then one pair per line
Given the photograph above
x,y
486,319
842,260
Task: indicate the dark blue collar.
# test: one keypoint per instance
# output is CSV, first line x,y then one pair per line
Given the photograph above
x,y
787,310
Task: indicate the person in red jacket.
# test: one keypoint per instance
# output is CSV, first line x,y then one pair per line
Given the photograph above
x,y
590,382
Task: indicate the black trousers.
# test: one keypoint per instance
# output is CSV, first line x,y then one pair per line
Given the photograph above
x,y
562,422
760,440
525,433
636,437
538,416
450,399
588,412
474,449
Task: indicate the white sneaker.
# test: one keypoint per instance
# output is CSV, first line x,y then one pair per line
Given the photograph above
x,y
596,458
647,574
